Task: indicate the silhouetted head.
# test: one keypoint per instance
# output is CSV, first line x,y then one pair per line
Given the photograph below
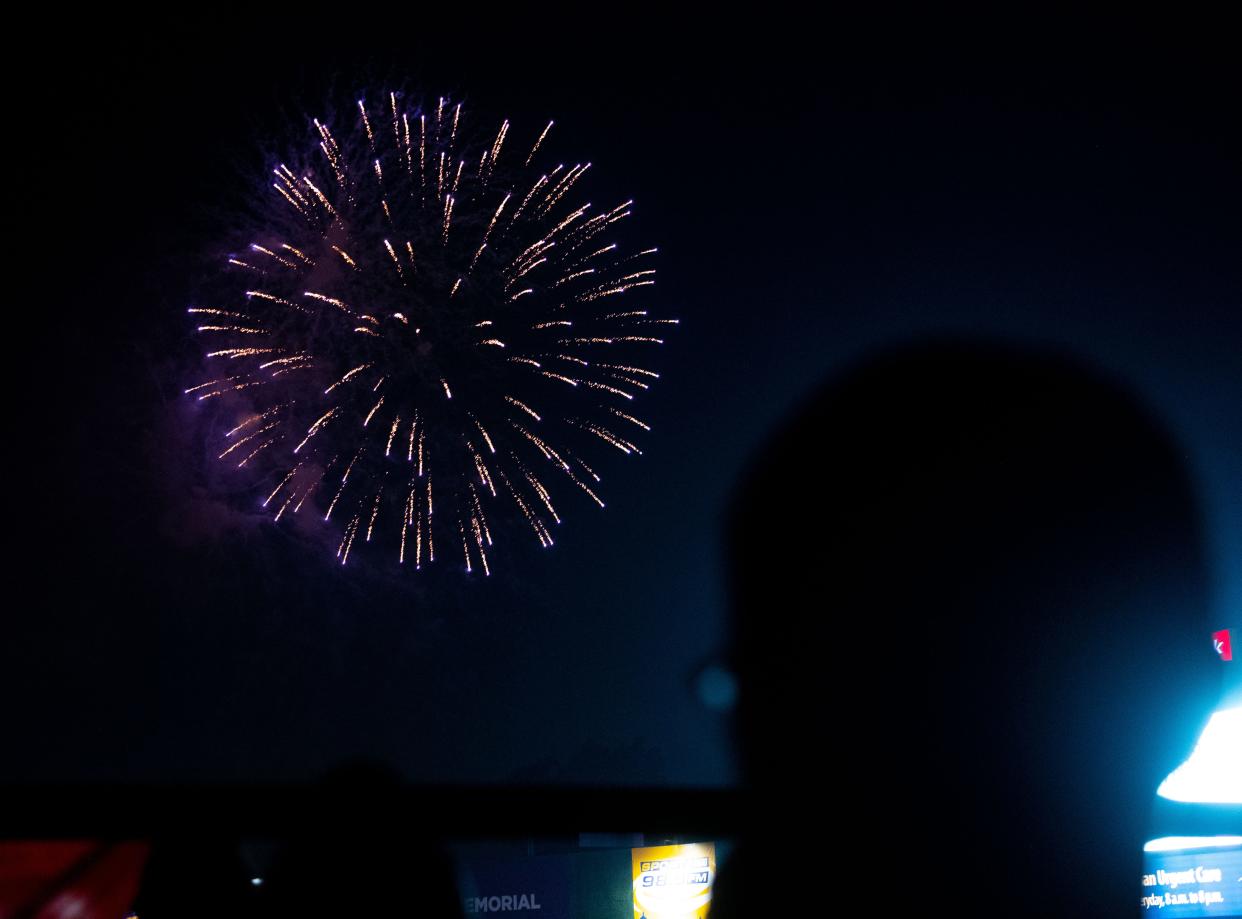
x,y
976,575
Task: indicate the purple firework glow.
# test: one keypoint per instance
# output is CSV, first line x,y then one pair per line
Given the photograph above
x,y
427,337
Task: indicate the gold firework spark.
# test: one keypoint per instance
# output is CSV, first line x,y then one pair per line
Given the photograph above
x,y
341,344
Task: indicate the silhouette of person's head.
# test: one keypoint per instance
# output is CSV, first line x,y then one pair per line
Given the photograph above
x,y
970,596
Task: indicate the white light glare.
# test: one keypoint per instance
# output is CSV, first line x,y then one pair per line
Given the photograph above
x,y
1180,843
1213,773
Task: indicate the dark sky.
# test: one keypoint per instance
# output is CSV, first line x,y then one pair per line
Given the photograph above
x,y
817,191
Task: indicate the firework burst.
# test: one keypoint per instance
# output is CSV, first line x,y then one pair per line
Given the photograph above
x,y
429,338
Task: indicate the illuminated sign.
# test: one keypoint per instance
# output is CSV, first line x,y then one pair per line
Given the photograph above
x,y
542,887
1202,877
504,903
674,882
1220,641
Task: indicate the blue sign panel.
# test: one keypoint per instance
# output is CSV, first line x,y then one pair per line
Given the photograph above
x,y
1196,882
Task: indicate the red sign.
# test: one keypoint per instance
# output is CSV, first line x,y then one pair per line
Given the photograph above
x,y
1220,641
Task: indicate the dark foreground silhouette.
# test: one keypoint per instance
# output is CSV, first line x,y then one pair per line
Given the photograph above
x,y
969,594
360,854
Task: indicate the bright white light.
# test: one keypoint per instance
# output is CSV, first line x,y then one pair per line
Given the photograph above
x,y
1213,773
1178,843
256,881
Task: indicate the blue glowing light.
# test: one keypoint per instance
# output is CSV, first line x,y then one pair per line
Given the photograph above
x,y
1182,843
717,688
1213,772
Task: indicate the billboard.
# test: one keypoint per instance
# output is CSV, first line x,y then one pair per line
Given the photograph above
x,y
1193,876
541,888
673,882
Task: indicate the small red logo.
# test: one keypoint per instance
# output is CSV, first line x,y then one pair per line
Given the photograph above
x,y
1220,641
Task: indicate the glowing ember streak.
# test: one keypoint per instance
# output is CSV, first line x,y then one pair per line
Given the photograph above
x,y
254,247
299,253
604,386
262,295
290,199
259,449
558,192
371,413
524,407
227,389
604,434
465,548
218,313
235,329
306,494
327,205
347,541
287,477
530,267
448,218
246,439
590,472
254,418
314,428
348,376
431,546
629,418
486,437
234,353
611,291
573,276
281,361
543,495
409,156
484,475
362,109
538,142
211,383
374,513
395,260
405,525
627,369
345,255
324,298
280,513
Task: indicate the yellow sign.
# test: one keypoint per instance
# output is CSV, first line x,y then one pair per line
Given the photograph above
x,y
674,882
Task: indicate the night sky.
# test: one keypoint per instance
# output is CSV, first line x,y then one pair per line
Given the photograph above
x,y
816,192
